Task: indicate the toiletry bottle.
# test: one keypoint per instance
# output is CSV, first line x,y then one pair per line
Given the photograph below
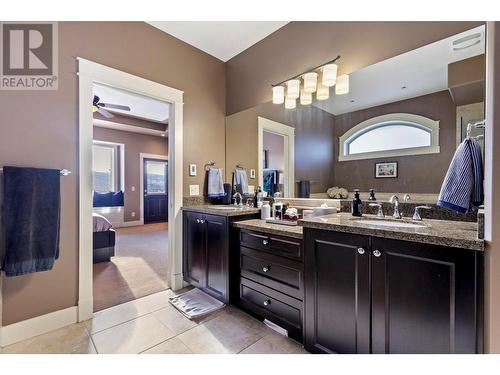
x,y
265,211
255,197
372,195
357,205
260,198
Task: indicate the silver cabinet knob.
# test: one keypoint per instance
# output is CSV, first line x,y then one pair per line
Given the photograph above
x,y
361,250
265,242
266,268
198,221
202,221
377,253
267,302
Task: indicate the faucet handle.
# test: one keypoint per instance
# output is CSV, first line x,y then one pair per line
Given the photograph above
x,y
380,212
406,198
416,215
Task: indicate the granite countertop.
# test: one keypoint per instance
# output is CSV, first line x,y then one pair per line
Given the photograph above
x,y
436,232
222,210
277,229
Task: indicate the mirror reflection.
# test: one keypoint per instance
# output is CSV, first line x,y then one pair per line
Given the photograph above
x,y
392,126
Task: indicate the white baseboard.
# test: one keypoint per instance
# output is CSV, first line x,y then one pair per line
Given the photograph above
x,y
129,224
37,326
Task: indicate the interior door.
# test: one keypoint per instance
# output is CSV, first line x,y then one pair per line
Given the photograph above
x,y
155,191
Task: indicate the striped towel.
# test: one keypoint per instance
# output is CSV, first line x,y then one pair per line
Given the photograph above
x,y
463,185
215,183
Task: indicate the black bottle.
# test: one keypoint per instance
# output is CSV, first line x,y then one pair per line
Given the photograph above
x,y
255,197
357,205
372,195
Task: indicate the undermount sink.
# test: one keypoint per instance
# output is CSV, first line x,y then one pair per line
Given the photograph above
x,y
226,208
390,223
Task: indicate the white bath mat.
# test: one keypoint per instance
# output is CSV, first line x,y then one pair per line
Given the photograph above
x,y
195,303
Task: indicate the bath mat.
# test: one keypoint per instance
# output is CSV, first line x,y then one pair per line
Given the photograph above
x,y
195,303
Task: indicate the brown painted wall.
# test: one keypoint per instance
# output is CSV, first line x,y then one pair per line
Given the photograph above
x,y
418,173
298,46
314,142
40,129
134,145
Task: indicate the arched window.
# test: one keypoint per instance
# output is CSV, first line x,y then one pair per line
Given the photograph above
x,y
395,134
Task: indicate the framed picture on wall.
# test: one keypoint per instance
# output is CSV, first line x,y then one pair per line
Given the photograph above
x,y
386,170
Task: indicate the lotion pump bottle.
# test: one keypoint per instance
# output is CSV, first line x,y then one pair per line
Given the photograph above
x,y
357,204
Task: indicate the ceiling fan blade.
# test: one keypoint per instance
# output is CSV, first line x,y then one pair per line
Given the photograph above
x,y
95,100
115,106
105,113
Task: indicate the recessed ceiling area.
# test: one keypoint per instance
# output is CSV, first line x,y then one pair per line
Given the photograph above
x,y
221,39
146,116
415,73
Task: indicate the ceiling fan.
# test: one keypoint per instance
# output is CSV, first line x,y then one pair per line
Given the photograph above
x,y
98,106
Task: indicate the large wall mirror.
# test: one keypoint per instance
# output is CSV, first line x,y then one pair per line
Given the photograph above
x,y
394,131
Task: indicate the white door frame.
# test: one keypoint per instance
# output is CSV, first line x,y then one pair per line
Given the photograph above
x,y
88,73
143,156
288,134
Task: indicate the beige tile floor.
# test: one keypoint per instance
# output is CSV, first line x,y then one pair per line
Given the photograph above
x,y
151,325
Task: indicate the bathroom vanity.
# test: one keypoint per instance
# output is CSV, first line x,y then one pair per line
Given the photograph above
x,y
344,286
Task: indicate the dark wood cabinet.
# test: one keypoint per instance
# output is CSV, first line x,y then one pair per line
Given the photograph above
x,y
337,292
271,279
205,254
206,251
373,295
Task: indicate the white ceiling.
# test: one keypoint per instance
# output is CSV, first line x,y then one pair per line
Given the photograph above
x,y
222,39
422,71
141,106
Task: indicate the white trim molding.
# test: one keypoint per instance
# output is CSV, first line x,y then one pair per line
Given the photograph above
x,y
429,125
26,329
89,73
143,156
288,133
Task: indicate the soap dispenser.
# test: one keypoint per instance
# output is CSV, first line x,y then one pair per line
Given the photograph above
x,y
357,204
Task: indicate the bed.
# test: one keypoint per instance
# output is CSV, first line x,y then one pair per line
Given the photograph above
x,y
104,239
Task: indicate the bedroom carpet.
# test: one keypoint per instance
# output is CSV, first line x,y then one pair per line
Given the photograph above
x,y
138,269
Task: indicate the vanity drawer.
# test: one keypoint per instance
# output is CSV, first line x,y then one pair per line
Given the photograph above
x,y
274,306
285,246
281,274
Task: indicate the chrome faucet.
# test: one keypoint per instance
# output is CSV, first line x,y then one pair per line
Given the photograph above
x,y
406,198
380,212
395,201
416,215
236,195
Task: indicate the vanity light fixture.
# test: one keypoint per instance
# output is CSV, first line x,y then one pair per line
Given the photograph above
x,y
290,103
293,89
310,82
306,98
329,75
278,95
342,86
323,92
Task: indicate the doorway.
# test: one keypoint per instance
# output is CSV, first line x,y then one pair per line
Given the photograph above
x,y
155,191
90,73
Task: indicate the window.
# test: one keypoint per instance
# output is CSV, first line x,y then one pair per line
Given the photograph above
x,y
396,134
156,178
105,174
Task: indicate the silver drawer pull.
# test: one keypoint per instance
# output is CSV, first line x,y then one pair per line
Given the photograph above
x,y
267,302
198,221
361,251
202,221
377,253
266,268
265,242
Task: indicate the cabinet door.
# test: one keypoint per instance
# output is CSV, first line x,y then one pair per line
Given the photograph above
x,y
424,298
194,254
217,272
337,292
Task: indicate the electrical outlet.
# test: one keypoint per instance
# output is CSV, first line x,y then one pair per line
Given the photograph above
x,y
194,190
132,188
251,189
132,214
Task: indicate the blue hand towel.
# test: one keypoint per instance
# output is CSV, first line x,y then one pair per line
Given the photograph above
x,y
31,215
463,185
241,181
215,183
